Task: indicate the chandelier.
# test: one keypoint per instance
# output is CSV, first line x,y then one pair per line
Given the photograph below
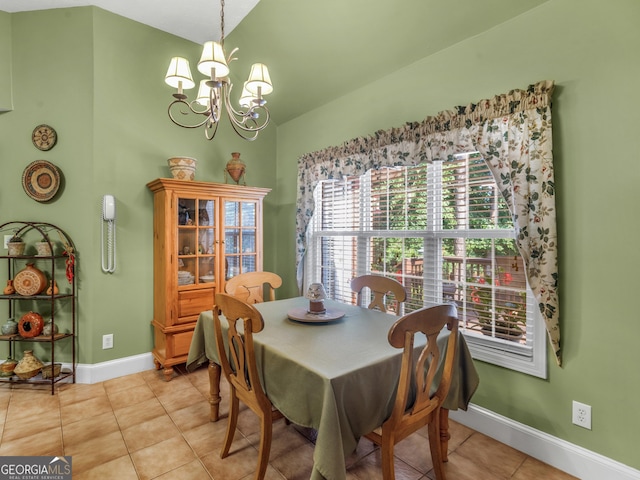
x,y
214,93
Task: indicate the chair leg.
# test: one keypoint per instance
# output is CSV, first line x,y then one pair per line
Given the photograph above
x,y
436,447
387,452
231,424
266,435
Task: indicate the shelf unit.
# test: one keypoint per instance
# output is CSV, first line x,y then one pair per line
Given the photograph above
x,y
51,265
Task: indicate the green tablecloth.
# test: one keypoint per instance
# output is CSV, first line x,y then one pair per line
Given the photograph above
x,y
338,378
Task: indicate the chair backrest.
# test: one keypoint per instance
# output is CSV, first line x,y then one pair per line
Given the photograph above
x,y
419,376
249,287
239,364
380,286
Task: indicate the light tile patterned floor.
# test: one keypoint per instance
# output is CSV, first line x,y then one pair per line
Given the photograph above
x,y
141,427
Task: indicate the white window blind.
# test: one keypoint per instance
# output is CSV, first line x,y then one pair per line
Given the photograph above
x,y
444,232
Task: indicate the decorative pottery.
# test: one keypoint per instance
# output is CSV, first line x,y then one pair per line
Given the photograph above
x,y
30,325
15,248
183,168
49,328
10,328
53,288
30,281
9,289
29,366
44,249
235,168
7,367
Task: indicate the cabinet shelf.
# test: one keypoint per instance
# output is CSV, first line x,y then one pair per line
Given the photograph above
x,y
54,270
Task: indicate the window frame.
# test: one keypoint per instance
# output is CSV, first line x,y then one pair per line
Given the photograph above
x,y
488,349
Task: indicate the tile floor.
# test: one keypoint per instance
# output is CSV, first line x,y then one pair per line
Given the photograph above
x,y
141,427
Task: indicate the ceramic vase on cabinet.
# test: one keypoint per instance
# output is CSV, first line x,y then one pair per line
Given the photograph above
x,y
235,168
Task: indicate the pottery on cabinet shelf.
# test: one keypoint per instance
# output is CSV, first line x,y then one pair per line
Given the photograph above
x,y
7,367
29,366
53,288
9,289
236,168
30,325
10,328
30,281
50,328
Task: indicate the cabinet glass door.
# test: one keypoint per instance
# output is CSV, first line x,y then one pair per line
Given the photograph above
x,y
196,241
240,243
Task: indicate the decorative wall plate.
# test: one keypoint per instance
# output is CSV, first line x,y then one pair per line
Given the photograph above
x,y
41,180
44,137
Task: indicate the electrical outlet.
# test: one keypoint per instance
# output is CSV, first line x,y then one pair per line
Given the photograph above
x,y
581,415
107,341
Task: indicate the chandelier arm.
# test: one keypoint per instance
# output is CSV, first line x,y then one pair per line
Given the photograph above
x,y
191,110
242,120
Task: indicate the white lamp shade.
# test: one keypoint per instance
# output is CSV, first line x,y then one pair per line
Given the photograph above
x,y
179,71
213,57
203,97
246,98
259,77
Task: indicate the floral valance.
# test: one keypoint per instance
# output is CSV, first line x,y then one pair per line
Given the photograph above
x,y
512,132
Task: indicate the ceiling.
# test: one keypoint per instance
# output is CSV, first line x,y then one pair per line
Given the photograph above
x,y
316,51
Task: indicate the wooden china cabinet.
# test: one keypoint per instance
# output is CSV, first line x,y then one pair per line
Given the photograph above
x,y
203,234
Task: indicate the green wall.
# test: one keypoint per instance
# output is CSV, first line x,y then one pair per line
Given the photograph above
x,y
101,86
590,49
6,102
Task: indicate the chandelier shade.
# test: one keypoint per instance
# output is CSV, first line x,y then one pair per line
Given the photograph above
x,y
259,79
179,74
212,61
213,99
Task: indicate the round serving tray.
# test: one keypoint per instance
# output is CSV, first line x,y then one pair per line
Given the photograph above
x,y
301,314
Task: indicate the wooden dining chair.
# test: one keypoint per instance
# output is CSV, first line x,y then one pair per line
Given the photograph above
x,y
380,286
410,414
249,287
239,368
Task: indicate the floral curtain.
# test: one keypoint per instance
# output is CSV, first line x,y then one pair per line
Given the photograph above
x,y
512,132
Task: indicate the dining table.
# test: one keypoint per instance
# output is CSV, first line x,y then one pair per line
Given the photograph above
x,y
336,374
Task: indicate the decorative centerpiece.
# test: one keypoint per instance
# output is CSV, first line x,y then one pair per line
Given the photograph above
x,y
183,168
316,295
236,169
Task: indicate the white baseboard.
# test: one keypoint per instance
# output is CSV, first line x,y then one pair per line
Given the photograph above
x,y
570,458
99,372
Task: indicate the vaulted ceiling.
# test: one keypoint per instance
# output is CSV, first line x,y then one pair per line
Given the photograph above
x,y
316,51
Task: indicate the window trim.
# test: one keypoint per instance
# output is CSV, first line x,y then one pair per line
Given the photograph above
x,y
487,349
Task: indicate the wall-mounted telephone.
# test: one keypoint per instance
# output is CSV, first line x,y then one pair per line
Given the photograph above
x,y
109,250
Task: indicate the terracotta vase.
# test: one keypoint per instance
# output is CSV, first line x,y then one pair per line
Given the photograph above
x,y
9,290
30,281
235,167
53,288
30,325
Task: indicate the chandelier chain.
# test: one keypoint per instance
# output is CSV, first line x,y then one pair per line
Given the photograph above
x,y
222,23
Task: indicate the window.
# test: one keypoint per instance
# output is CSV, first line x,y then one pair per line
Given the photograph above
x,y
444,232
